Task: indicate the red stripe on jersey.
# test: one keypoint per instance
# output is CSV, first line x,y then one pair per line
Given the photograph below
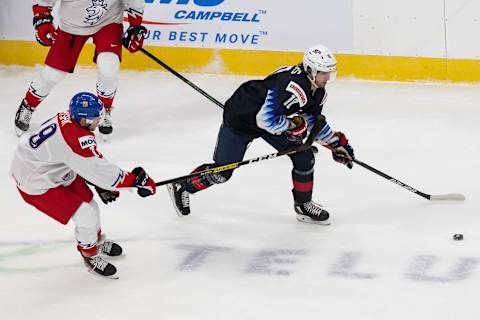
x,y
128,181
303,186
80,140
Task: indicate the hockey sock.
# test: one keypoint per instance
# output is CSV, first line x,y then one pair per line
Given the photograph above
x,y
202,182
86,251
302,185
108,65
42,85
87,226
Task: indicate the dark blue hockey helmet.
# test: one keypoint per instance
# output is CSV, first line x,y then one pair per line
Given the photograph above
x,y
86,105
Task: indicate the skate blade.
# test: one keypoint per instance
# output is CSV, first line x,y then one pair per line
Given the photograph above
x,y
112,277
306,219
105,137
19,132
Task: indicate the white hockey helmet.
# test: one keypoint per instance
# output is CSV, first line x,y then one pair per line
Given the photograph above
x,y
319,58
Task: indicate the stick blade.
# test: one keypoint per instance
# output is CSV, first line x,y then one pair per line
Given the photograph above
x,y
448,196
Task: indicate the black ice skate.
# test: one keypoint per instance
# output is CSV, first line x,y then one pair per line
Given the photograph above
x,y
109,248
180,198
106,126
22,118
99,266
312,212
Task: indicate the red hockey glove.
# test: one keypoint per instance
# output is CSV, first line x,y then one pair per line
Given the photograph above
x,y
297,129
145,185
342,151
136,33
133,41
45,32
106,195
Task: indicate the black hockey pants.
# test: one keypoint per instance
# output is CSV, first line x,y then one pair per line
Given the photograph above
x,y
231,147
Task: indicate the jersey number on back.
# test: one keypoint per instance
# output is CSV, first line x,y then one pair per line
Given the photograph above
x,y
43,135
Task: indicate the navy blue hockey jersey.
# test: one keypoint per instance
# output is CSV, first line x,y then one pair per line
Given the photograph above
x,y
260,106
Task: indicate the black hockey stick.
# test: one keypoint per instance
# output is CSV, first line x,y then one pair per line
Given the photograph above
x,y
178,75
448,196
319,124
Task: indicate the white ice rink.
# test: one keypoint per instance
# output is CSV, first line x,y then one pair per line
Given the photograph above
x,y
241,254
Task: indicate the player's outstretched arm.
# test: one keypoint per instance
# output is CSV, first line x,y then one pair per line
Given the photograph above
x,y
141,180
89,163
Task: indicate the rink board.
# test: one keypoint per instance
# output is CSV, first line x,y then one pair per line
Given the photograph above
x,y
255,62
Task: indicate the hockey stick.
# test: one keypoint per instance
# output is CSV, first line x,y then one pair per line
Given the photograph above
x,y
319,124
437,197
178,75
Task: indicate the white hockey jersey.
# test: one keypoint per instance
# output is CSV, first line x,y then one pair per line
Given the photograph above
x,y
85,17
56,153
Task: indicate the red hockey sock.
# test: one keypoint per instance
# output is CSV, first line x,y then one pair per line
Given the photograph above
x,y
87,252
107,102
32,99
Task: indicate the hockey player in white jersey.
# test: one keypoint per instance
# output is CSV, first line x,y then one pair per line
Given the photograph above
x,y
78,21
51,168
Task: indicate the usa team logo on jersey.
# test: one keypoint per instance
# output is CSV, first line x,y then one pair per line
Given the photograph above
x,y
87,142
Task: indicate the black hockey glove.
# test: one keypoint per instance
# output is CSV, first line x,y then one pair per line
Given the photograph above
x,y
297,129
106,195
145,185
342,151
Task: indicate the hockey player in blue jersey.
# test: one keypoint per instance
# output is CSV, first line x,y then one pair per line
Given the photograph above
x,y
279,109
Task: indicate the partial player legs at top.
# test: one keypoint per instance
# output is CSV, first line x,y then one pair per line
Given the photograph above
x,y
108,53
108,68
62,59
38,90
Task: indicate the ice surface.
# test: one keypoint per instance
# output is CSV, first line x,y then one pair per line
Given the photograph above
x,y
241,254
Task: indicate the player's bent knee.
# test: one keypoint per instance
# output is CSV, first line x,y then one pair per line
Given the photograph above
x,y
95,206
87,216
52,75
108,64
